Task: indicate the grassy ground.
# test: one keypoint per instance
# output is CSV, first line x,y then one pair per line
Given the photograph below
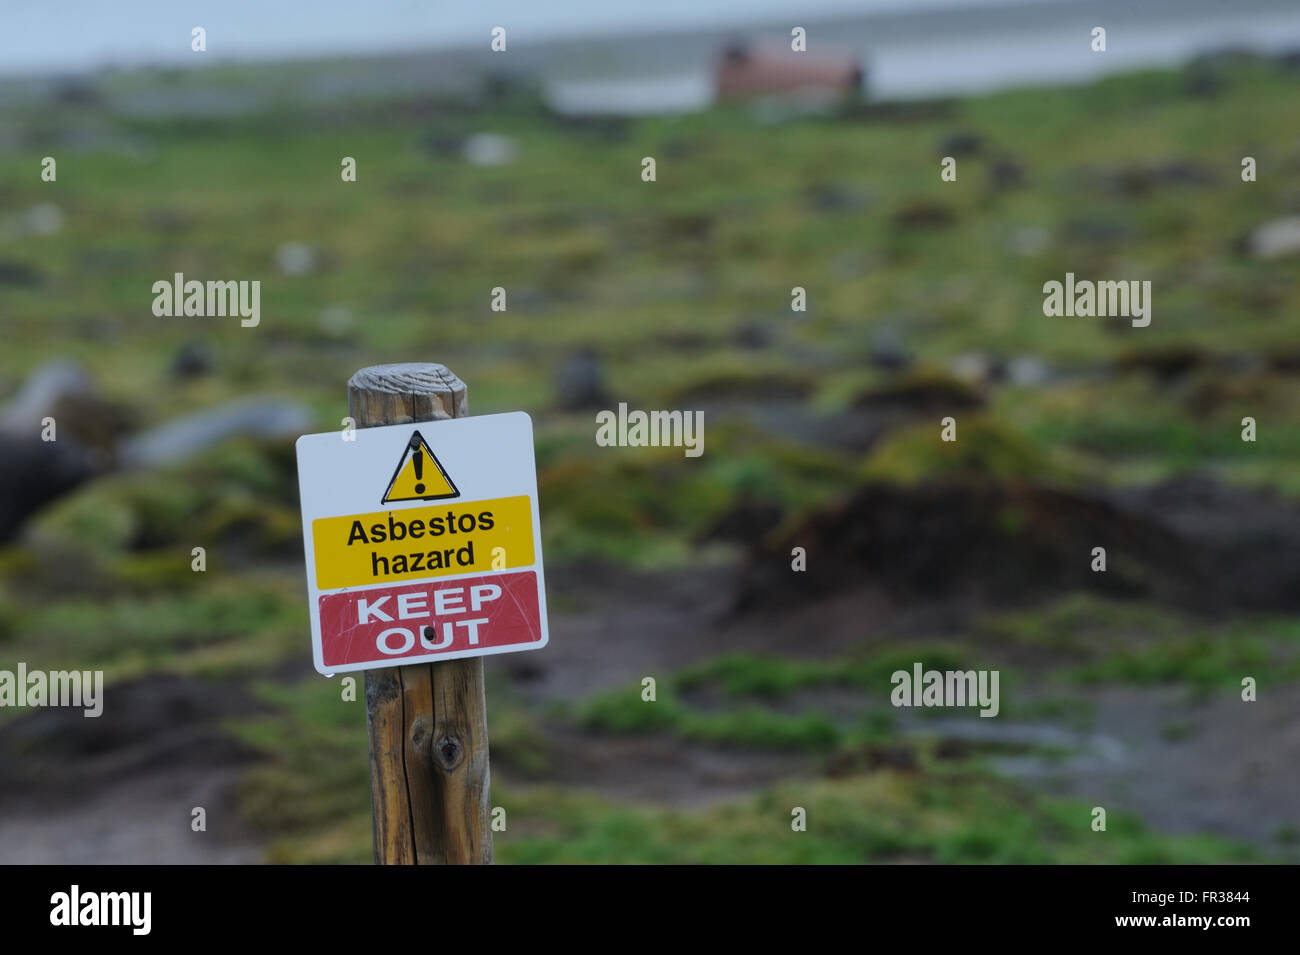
x,y
682,287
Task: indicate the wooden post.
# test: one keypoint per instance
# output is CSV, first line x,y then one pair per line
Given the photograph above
x,y
427,723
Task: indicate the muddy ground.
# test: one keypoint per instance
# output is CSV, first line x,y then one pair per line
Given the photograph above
x,y
118,789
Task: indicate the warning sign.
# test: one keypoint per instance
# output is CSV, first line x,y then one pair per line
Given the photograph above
x,y
410,483
415,581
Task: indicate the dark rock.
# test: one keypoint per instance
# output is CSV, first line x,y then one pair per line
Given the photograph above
x,y
1245,543
753,336
1203,81
1207,74
746,387
682,340
1288,362
1005,174
1183,172
441,145
106,260
526,672
1165,363
1141,180
169,220
825,197
498,87
961,144
923,215
34,472
887,350
528,298
679,148
581,383
192,360
871,758
20,274
952,747
746,523
604,129
696,227
73,91
920,395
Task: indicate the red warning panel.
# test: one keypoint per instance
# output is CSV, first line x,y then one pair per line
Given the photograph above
x,y
440,620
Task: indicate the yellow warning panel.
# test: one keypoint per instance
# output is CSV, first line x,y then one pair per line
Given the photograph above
x,y
420,476
361,550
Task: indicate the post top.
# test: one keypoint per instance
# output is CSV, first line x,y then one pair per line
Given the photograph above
x,y
408,378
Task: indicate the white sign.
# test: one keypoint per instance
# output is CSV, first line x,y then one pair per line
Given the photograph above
x,y
423,542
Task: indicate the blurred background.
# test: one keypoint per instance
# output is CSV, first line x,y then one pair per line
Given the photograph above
x,y
522,170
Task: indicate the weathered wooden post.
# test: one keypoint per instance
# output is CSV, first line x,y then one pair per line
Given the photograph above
x,y
427,723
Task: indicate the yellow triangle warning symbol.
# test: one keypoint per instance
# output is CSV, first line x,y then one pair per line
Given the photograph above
x,y
419,476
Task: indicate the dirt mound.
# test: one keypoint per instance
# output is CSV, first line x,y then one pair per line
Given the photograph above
x,y
164,722
121,788
1191,544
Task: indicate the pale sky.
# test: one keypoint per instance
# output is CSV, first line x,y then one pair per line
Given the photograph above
x,y
51,35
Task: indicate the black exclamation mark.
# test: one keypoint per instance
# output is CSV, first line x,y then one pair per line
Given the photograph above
x,y
418,460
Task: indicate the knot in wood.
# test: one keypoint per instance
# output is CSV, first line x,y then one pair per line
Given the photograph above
x,y
448,752
419,733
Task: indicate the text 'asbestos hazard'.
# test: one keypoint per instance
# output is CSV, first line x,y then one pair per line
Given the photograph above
x,y
363,549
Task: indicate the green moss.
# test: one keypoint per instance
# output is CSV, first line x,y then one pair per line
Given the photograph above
x,y
239,496
314,775
742,674
1200,660
624,711
1084,622
745,677
983,450
227,625
881,817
